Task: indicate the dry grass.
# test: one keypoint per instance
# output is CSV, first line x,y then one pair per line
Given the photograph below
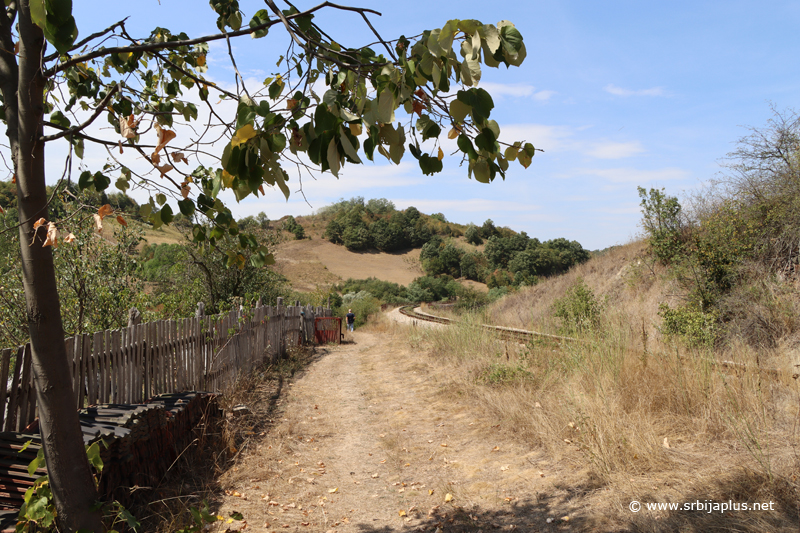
x,y
633,408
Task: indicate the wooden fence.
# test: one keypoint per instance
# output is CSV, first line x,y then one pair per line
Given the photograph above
x,y
133,364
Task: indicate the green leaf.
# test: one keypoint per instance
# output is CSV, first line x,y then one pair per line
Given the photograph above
x,y
235,20
122,184
512,38
161,199
526,154
465,145
93,454
145,210
166,214
429,165
261,17
37,463
491,38
85,180
486,140
349,149
236,515
77,145
59,119
459,110
333,157
511,152
187,207
481,171
386,107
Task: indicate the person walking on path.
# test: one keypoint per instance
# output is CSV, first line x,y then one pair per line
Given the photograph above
x,y
351,320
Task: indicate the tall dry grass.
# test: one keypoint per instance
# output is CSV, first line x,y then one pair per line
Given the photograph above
x,y
626,402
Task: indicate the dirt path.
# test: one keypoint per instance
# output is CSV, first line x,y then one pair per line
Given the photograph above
x,y
370,441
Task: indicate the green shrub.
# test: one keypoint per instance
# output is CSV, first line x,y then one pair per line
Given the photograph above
x,y
579,310
689,322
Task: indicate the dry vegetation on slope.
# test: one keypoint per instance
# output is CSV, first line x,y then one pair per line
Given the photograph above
x,y
644,417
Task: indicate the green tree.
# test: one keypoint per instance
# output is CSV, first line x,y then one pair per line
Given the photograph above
x,y
473,235
143,81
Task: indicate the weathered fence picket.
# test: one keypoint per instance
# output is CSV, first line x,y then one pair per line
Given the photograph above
x,y
142,360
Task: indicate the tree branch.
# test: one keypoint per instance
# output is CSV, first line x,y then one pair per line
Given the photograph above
x,y
76,129
88,39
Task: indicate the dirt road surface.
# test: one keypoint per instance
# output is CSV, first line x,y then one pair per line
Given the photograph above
x,y
368,440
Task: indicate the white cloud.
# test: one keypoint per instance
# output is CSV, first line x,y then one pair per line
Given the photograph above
x,y
619,91
548,138
519,90
614,150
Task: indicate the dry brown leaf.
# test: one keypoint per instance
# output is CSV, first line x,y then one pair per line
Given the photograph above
x,y
185,189
374,475
105,210
127,126
164,136
69,238
504,468
98,222
38,223
178,157
16,48
52,235
122,221
155,158
443,445
496,449
441,154
163,169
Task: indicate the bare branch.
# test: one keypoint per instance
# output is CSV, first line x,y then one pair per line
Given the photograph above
x,y
90,38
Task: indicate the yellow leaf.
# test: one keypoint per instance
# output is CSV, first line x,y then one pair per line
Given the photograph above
x,y
201,60
40,222
227,178
105,210
448,498
355,129
453,133
430,492
333,490
122,221
401,513
243,134
441,154
52,235
496,449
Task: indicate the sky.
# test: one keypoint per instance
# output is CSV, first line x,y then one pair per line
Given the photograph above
x,y
617,95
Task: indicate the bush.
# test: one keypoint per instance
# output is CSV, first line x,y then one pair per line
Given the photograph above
x,y
695,327
363,305
578,309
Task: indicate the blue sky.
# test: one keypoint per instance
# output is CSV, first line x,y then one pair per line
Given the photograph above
x,y
617,94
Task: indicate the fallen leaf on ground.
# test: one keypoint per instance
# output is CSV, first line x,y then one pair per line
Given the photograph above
x,y
448,498
496,449
504,468
401,513
333,490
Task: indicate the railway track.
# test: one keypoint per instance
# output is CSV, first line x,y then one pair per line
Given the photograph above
x,y
504,333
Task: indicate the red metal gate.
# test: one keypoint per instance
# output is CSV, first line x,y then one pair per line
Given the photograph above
x,y
327,329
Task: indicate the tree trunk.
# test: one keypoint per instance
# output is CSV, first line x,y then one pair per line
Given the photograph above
x,y
68,468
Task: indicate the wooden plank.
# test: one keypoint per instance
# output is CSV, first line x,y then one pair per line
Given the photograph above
x,y
24,386
94,368
148,360
162,352
115,395
4,368
14,393
86,354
